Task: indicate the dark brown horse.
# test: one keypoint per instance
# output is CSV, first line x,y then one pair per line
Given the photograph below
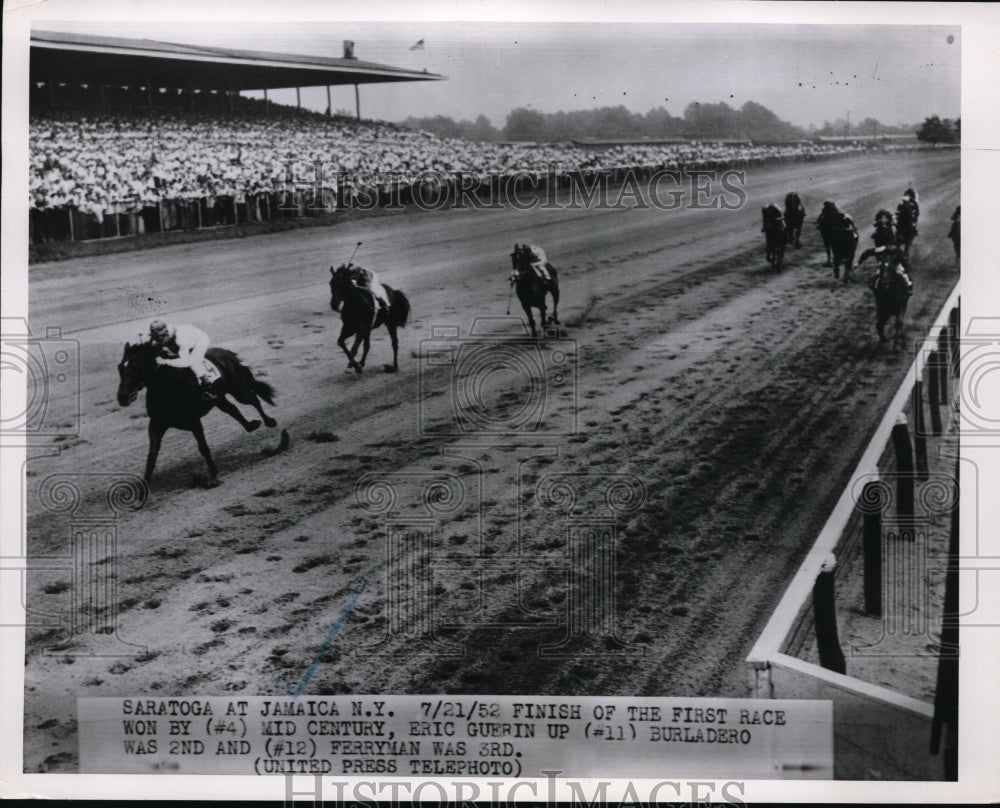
x,y
885,229
360,315
531,289
844,244
955,232
174,398
906,224
795,215
826,222
774,238
891,295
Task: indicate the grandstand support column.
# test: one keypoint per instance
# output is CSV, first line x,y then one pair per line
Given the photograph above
x,y
298,98
329,103
149,92
100,82
267,103
357,103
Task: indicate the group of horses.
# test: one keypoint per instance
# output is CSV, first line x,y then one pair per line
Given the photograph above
x,y
839,233
174,397
840,240
781,231
175,400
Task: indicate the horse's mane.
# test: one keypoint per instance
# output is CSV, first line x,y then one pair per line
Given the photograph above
x,y
143,345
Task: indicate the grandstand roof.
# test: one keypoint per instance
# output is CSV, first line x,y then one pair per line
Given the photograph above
x,y
169,64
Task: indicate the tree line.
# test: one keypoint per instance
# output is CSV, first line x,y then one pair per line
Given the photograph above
x,y
752,121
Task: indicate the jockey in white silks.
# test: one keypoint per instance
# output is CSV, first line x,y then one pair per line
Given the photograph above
x,y
187,345
367,279
537,259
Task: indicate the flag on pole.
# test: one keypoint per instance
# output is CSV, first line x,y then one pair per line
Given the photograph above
x,y
418,46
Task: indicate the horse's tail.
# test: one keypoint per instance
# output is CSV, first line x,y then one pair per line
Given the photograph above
x,y
264,390
237,374
400,308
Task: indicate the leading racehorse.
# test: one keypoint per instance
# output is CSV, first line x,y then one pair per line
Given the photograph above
x,y
174,398
531,289
360,315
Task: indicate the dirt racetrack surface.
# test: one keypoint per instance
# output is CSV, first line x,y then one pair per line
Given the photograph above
x,y
690,429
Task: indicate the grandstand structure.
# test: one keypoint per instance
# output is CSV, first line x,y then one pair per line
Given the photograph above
x,y
63,64
129,137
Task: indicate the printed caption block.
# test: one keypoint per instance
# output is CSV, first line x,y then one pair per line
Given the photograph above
x,y
458,736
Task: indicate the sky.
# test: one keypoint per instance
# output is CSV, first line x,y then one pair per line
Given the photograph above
x,y
806,74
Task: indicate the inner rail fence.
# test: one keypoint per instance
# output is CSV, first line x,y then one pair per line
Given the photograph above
x,y
876,518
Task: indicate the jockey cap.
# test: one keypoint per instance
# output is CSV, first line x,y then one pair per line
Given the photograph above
x,y
158,328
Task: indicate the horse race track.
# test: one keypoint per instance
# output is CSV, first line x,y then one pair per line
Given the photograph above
x,y
722,405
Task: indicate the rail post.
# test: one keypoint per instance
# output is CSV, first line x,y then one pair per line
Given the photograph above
x,y
872,494
943,366
934,392
904,467
831,656
919,432
954,321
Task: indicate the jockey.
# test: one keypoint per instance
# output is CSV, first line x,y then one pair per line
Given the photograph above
x,y
182,346
909,202
827,214
847,223
537,258
894,256
367,279
883,218
772,213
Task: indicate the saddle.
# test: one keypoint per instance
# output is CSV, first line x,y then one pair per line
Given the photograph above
x,y
214,374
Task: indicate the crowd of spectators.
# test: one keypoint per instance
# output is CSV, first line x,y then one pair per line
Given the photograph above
x,y
240,156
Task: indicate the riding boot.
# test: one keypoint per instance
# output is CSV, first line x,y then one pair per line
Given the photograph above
x,y
211,391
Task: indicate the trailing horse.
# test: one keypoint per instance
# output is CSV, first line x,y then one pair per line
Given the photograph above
x,y
795,215
906,225
844,245
827,222
531,289
885,230
891,297
955,232
774,237
174,398
360,315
